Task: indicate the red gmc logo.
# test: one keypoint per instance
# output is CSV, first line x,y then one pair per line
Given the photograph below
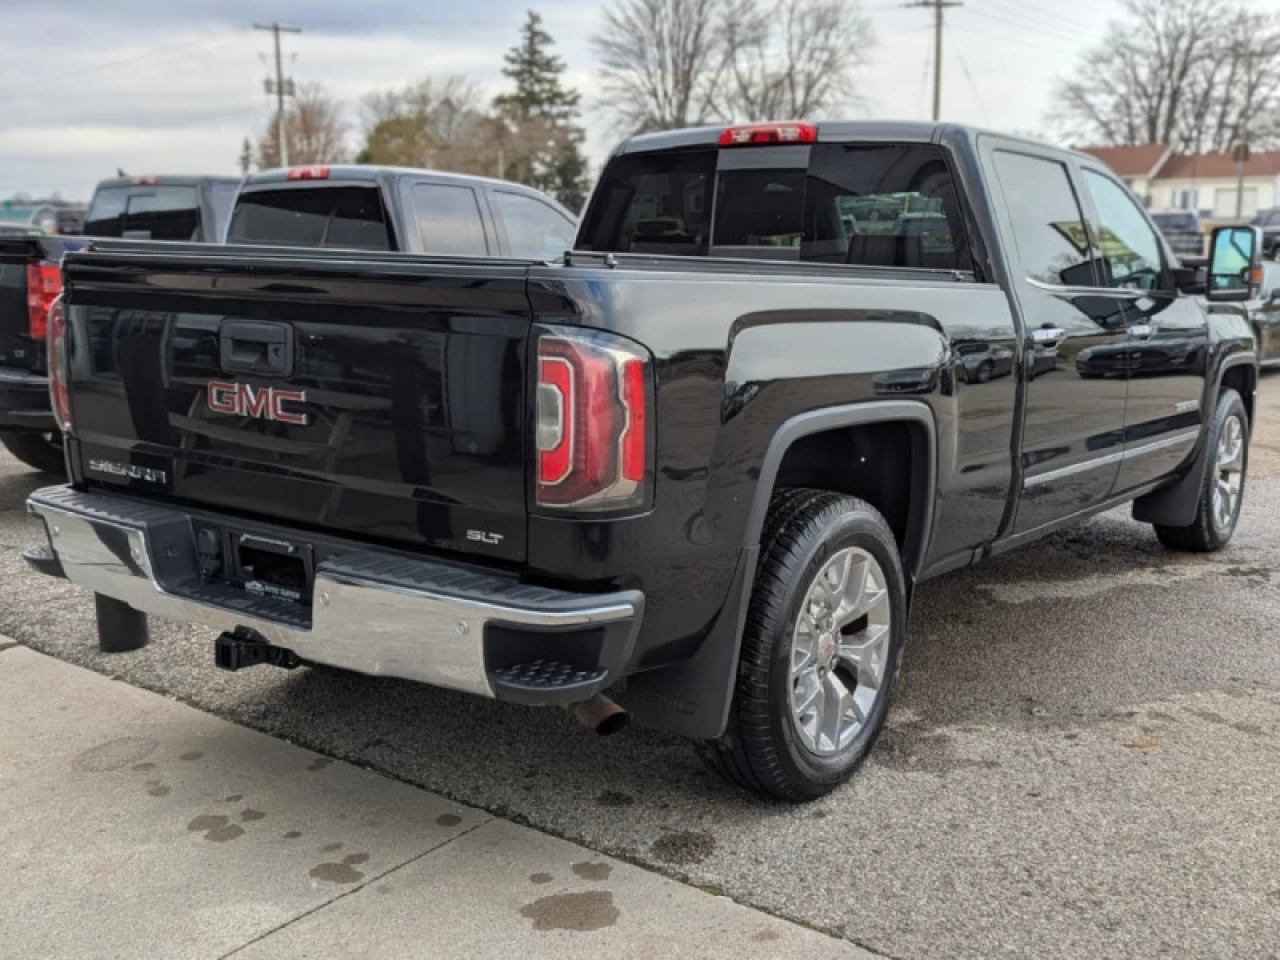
x,y
266,403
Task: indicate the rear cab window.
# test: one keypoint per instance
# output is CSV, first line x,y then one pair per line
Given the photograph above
x,y
145,212
881,205
345,216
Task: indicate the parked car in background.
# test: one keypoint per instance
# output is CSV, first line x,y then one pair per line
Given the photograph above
x,y
71,219
1264,316
394,208
30,279
712,459
984,361
162,208
1268,221
1184,232
37,216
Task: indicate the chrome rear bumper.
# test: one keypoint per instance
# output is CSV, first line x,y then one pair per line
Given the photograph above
x,y
373,612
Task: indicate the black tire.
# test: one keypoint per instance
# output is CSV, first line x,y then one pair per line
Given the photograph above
x,y
40,451
1206,534
761,750
985,370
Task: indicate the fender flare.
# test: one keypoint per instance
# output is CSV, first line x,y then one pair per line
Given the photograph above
x,y
1176,504
692,697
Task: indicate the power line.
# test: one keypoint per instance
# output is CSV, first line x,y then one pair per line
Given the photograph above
x,y
1026,9
986,117
280,89
1022,23
938,6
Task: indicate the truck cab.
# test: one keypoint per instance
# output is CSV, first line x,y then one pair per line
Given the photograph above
x,y
179,208
363,207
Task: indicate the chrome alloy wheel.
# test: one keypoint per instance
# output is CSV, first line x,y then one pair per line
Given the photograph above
x,y
1229,477
839,650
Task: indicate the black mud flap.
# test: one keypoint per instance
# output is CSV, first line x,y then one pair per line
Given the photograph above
x,y
691,698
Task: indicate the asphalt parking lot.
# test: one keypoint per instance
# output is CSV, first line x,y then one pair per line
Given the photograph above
x,y
1082,760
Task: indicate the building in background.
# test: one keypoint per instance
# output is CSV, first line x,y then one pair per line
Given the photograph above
x,y
1204,183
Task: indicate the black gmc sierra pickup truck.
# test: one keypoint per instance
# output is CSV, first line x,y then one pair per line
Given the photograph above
x,y
30,280
710,452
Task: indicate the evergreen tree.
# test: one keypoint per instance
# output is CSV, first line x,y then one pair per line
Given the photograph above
x,y
543,140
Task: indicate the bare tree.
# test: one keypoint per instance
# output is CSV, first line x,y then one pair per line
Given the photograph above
x,y
660,62
314,130
1235,94
437,122
1198,74
793,59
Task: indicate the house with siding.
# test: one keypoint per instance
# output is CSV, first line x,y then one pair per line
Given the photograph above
x,y
1206,182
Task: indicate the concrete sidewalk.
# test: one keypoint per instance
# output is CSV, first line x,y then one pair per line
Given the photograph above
x,y
133,826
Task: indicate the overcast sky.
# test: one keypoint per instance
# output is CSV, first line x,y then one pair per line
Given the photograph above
x,y
172,86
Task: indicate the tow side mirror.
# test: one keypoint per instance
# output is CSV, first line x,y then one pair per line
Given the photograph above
x,y
1235,271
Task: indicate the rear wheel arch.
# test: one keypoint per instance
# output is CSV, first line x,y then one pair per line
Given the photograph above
x,y
806,449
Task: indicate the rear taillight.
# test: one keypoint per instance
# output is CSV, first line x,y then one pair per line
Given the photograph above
x,y
307,173
593,421
59,366
44,283
756,134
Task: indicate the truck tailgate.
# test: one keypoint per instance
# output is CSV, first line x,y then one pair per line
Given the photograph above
x,y
384,398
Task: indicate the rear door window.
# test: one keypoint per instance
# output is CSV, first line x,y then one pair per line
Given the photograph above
x,y
350,217
1048,227
535,230
449,220
881,205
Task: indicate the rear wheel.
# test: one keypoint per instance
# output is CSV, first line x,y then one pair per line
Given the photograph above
x,y
1222,491
821,650
40,451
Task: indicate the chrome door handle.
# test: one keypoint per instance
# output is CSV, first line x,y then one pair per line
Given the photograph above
x,y
1141,330
1048,334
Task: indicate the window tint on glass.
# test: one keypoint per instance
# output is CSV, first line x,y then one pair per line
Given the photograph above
x,y
222,196
103,218
653,203
1130,249
162,213
328,216
1048,226
883,206
449,220
534,229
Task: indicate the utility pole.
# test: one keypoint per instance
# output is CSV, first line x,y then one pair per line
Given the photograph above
x,y
938,6
281,87
1242,158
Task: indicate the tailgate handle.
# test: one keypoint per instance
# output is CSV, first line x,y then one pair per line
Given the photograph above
x,y
255,346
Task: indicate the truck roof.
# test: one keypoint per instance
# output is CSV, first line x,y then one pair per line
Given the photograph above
x,y
166,180
829,131
370,172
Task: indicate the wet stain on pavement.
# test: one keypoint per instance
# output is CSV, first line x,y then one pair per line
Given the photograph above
x,y
684,847
614,799
157,789
539,878
143,767
572,911
331,847
766,936
293,835
190,755
342,873
588,870
319,763
114,754
215,827
448,820
248,815
235,798
910,752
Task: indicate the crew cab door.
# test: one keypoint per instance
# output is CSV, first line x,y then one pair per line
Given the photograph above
x,y
1167,336
447,218
1075,360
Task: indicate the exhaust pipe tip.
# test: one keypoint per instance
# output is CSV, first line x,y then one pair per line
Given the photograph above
x,y
602,715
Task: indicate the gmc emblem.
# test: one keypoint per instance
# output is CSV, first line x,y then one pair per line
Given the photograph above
x,y
266,403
